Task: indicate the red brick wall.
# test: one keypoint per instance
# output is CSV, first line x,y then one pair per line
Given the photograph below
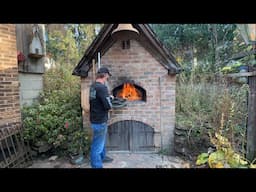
x,y
139,65
10,116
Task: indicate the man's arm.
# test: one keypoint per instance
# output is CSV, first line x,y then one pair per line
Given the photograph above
x,y
105,97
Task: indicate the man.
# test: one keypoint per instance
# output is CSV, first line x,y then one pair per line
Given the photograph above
x,y
100,104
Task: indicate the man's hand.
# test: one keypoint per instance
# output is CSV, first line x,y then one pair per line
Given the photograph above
x,y
111,97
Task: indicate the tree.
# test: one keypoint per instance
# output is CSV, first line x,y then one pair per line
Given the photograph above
x,y
202,47
85,33
68,45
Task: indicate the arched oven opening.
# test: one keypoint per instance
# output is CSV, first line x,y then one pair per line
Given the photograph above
x,y
130,91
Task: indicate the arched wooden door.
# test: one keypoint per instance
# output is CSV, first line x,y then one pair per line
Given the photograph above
x,y
130,135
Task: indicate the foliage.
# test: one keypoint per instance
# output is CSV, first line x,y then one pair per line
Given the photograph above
x,y
200,47
70,46
224,153
202,158
224,156
62,47
233,67
77,141
57,118
200,112
60,78
84,35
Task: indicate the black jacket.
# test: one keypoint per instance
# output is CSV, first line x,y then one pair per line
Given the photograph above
x,y
100,103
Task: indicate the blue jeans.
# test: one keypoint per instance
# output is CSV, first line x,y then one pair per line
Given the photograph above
x,y
98,151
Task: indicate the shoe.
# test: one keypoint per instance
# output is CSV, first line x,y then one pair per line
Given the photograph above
x,y
107,160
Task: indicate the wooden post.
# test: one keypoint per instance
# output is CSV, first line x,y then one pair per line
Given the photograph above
x,y
90,132
251,122
93,70
84,95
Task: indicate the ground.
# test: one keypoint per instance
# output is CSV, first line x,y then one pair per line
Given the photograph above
x,y
121,160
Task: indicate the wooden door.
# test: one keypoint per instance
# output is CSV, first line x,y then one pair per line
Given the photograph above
x,y
130,135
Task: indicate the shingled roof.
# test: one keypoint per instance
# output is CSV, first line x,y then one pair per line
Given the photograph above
x,y
147,38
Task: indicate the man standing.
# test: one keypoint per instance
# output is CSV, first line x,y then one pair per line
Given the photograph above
x,y
100,104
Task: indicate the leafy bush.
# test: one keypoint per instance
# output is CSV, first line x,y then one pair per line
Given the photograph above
x,y
224,156
199,107
55,120
78,142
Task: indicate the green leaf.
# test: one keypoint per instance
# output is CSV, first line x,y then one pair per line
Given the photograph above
x,y
202,158
216,159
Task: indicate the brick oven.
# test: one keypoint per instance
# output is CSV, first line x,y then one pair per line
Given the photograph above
x,y
144,73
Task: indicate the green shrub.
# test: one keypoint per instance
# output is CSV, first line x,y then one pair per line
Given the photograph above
x,y
57,121
224,155
199,107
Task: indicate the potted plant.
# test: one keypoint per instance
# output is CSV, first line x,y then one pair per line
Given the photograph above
x,y
77,146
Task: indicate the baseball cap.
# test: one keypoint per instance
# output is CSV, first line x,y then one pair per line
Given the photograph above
x,y
104,70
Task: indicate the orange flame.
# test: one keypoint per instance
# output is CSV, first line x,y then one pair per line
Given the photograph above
x,y
129,92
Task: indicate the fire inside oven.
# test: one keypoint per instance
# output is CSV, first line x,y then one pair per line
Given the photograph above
x,y
130,92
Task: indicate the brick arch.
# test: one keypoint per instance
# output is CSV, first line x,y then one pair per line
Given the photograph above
x,y
120,82
134,118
